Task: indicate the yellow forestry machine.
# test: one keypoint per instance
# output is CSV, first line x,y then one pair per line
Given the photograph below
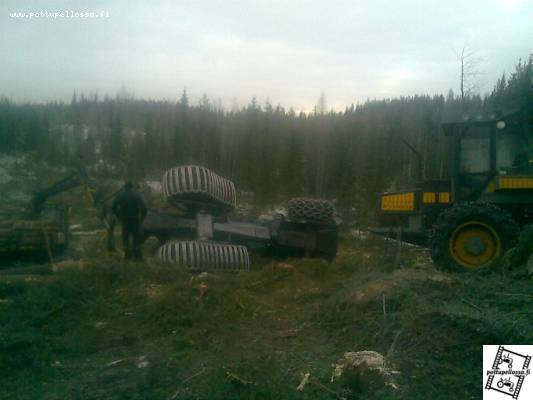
x,y
471,219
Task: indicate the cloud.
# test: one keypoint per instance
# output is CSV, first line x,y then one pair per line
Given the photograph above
x,y
286,51
510,5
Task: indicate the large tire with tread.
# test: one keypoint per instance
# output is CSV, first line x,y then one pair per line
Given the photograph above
x,y
472,235
205,256
311,210
198,187
520,258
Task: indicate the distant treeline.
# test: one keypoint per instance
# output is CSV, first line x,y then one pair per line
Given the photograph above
x,y
265,149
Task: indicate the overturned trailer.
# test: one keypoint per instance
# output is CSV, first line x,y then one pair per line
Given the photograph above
x,y
194,226
198,232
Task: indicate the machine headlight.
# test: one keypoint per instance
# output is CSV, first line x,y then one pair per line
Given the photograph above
x,y
500,125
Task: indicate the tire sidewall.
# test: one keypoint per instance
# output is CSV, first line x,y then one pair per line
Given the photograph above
x,y
448,221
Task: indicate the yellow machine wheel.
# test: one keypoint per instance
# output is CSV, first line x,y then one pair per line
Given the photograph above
x,y
474,244
472,235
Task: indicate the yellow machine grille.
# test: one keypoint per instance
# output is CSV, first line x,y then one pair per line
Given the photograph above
x,y
444,197
433,197
398,202
509,182
429,197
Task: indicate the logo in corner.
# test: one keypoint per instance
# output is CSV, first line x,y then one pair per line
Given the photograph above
x,y
508,373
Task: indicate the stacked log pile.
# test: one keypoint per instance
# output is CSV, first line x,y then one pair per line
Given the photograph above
x,y
28,236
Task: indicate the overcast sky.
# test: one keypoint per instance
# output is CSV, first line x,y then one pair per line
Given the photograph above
x,y
285,51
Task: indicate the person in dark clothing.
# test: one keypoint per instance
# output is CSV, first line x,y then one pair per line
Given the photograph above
x,y
130,210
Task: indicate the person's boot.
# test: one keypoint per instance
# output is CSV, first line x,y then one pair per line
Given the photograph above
x,y
110,242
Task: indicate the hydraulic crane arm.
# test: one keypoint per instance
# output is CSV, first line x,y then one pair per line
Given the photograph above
x,y
77,178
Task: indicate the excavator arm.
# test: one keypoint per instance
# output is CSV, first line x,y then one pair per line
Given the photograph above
x,y
79,177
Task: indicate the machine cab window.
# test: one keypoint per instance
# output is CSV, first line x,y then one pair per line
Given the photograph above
x,y
474,152
514,151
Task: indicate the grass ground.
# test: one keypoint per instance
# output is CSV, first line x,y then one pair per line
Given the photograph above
x,y
118,330
108,329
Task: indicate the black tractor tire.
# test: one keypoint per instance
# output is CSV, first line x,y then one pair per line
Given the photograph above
x,y
309,210
193,186
517,260
472,235
205,256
